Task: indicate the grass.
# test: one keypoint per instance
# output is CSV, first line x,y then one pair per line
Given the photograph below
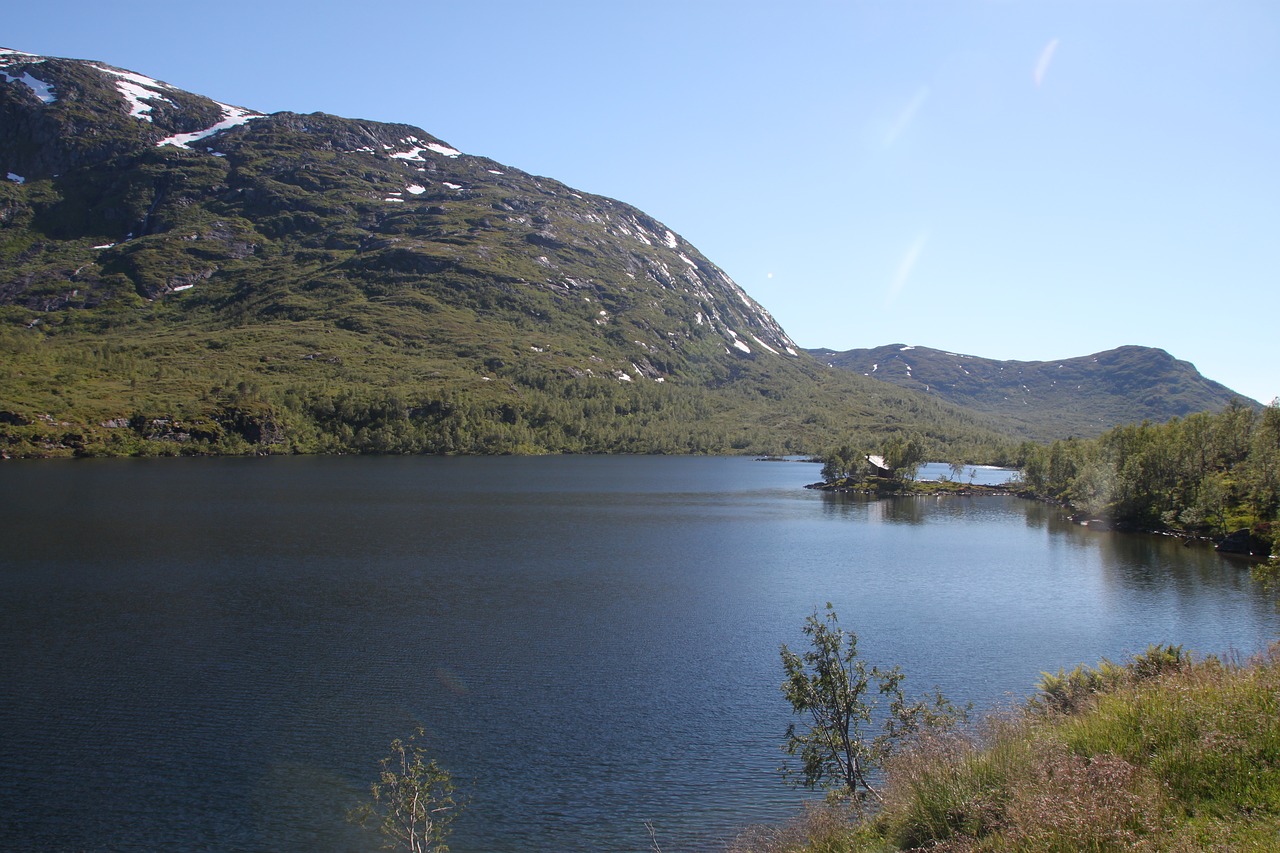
x,y
1161,754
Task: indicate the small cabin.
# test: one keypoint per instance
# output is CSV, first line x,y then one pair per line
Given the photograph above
x,y
878,466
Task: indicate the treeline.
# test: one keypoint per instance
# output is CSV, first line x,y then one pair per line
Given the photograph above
x,y
386,421
594,415
1205,474
591,417
258,390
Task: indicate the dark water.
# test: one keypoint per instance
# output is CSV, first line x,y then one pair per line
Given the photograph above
x,y
213,654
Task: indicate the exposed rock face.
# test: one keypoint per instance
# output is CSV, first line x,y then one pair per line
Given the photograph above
x,y
148,189
1244,542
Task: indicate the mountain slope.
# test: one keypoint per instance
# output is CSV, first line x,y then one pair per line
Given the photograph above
x,y
350,200
1081,396
182,274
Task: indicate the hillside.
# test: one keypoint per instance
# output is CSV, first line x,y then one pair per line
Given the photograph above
x,y
1081,396
182,275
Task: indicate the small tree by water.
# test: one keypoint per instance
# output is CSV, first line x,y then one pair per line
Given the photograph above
x,y
412,804
848,734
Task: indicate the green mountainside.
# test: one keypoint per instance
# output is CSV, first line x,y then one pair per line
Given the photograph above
x,y
1082,396
181,275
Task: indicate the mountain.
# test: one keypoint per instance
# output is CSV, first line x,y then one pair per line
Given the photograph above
x,y
183,275
1082,396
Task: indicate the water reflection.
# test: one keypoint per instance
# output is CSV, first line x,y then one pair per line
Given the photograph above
x,y
1038,515
1100,593
592,642
873,510
1177,583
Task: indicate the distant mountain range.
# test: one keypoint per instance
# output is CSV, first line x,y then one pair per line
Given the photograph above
x,y
183,275
1080,396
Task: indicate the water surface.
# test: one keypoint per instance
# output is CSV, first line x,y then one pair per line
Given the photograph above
x,y
212,654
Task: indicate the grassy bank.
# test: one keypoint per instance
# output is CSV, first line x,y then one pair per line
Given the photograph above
x,y
1161,754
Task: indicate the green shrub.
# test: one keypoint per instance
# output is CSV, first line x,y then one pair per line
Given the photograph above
x,y
1160,754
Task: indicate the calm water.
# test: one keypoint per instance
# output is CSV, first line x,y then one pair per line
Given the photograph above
x,y
213,654
982,475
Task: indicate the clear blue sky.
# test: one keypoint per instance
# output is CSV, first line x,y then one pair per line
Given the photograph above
x,y
1024,179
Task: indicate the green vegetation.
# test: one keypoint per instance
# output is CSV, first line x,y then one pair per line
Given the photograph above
x,y
851,471
847,466
830,685
1161,754
314,284
183,385
412,804
1203,475
1047,400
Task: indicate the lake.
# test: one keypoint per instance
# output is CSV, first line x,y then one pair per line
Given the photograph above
x,y
213,654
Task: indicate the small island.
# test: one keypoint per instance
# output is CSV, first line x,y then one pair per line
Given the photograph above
x,y
883,487
893,472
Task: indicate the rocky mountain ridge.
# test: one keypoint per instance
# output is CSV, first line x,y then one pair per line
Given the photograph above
x,y
410,197
1082,396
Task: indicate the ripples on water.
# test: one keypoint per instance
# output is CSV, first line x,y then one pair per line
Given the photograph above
x,y
213,654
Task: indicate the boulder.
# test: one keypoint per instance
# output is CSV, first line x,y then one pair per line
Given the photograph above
x,y
1244,542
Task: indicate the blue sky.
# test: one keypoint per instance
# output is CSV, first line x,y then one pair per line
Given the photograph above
x,y
1003,178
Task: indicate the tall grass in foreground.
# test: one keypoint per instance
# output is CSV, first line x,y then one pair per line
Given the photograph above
x,y
1160,754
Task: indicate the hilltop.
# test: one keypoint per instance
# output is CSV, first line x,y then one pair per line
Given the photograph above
x,y
1081,396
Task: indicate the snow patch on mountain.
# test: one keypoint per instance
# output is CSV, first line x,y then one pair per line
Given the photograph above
x,y
41,89
137,96
415,153
763,344
231,117
137,89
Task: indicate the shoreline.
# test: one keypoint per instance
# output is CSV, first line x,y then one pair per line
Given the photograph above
x,y
878,487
